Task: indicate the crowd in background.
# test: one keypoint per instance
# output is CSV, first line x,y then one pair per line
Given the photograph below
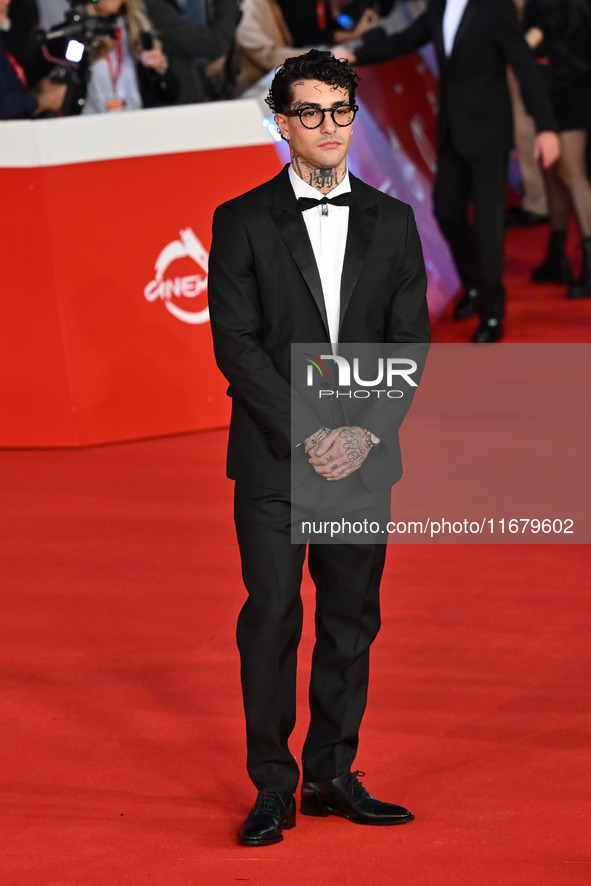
x,y
147,53
169,51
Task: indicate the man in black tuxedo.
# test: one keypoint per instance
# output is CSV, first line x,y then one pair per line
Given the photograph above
x,y
282,272
474,40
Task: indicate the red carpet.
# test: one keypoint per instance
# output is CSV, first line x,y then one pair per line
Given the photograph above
x,y
121,740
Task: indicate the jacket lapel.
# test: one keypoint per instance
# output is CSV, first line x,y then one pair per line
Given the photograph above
x,y
436,10
362,221
291,226
464,26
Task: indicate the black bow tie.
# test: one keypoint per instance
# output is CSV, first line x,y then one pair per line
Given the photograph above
x,y
309,202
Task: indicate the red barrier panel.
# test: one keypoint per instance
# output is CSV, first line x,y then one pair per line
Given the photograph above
x,y
105,334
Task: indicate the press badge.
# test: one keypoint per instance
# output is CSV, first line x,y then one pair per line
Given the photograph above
x,y
116,104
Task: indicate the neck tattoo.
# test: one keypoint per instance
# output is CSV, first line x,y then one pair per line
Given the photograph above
x,y
324,180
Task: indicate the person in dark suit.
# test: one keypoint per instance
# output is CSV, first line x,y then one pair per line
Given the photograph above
x,y
197,37
17,102
474,40
281,272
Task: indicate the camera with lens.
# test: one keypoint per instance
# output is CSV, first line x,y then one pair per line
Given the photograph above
x,y
70,45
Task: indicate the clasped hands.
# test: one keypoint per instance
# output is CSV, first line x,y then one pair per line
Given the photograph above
x,y
334,454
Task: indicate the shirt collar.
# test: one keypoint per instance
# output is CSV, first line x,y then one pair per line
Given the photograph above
x,y
303,189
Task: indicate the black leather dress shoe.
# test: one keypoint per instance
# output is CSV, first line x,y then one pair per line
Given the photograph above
x,y
467,305
272,812
488,332
347,797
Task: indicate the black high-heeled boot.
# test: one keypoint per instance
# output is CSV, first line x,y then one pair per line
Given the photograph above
x,y
581,288
555,268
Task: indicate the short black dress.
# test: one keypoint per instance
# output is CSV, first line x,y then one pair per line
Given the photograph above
x,y
565,57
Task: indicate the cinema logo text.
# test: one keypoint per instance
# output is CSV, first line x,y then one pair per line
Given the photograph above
x,y
386,372
177,292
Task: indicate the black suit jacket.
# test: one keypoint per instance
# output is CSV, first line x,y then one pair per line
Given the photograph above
x,y
474,102
16,102
265,294
183,41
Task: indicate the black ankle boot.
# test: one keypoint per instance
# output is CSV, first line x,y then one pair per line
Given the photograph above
x,y
555,268
581,288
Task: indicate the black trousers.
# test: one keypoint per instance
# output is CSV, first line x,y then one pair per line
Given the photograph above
x,y
347,579
476,243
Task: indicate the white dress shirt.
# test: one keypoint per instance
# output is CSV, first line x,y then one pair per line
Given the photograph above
x,y
454,10
328,236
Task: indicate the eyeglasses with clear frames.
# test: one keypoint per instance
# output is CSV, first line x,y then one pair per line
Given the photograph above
x,y
312,118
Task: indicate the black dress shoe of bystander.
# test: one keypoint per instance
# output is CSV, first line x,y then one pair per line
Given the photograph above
x,y
273,812
467,305
488,332
347,797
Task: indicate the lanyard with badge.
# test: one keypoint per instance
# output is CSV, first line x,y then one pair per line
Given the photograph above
x,y
18,70
116,103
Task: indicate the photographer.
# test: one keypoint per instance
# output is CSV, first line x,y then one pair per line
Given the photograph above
x,y
128,68
17,102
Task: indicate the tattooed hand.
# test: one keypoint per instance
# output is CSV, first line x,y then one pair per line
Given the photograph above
x,y
340,453
314,439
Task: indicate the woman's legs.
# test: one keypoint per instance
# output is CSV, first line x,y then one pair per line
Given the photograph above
x,y
555,268
572,169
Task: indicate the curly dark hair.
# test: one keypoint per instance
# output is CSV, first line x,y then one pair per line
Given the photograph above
x,y
316,64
